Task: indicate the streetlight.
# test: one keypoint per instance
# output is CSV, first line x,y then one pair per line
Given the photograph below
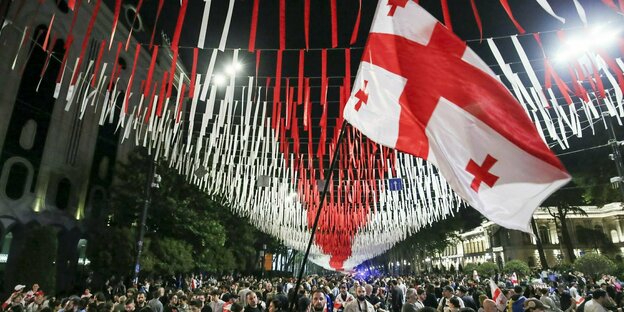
x,y
153,181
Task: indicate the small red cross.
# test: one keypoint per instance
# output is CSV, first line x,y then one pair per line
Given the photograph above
x,y
362,97
394,4
482,173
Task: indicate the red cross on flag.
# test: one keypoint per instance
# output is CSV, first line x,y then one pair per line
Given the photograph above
x,y
421,90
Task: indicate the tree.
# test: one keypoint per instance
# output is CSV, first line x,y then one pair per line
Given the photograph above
x,y
562,203
36,259
469,268
186,229
594,265
518,266
487,269
540,246
432,240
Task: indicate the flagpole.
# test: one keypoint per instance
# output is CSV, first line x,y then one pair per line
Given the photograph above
x,y
318,214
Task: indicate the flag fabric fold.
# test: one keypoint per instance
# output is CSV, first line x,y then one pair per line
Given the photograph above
x,y
422,91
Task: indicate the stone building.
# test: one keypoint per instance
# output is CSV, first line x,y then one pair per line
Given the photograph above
x,y
599,231
56,162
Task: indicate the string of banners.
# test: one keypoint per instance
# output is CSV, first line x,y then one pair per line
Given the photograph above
x,y
263,143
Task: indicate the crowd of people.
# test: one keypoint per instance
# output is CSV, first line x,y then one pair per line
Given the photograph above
x,y
336,293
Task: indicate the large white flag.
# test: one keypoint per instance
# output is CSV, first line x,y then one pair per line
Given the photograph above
x,y
419,89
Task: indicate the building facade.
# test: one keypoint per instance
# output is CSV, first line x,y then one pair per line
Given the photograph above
x,y
57,157
599,231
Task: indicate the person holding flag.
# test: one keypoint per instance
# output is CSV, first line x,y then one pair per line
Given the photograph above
x,y
497,296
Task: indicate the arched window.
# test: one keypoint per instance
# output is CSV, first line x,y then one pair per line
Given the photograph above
x,y
63,192
614,236
16,181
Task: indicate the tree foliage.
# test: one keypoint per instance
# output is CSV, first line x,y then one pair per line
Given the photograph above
x,y
36,260
186,228
518,266
594,265
469,268
487,269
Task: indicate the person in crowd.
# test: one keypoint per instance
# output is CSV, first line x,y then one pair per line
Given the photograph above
x,y
242,294
155,304
216,304
38,302
342,299
431,300
598,303
130,305
141,301
462,292
411,301
268,293
452,304
516,304
319,302
533,305
252,303
396,296
489,306
548,301
359,304
447,294
172,305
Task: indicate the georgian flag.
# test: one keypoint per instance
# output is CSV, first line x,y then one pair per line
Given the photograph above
x,y
498,296
419,89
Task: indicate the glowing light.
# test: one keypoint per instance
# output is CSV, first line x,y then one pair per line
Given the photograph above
x,y
219,80
597,38
233,68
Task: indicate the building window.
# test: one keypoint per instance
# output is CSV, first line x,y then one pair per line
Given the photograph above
x,y
614,236
16,182
544,234
63,191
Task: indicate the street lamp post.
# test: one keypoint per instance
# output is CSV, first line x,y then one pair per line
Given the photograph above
x,y
152,181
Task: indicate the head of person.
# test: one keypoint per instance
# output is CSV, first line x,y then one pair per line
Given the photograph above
x,y
173,299
369,289
99,297
275,305
195,306
360,291
422,295
201,297
39,297
411,296
130,305
518,290
319,301
140,299
453,303
252,299
600,296
35,287
534,305
461,291
447,292
268,286
343,289
236,307
17,299
303,304
214,295
489,305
